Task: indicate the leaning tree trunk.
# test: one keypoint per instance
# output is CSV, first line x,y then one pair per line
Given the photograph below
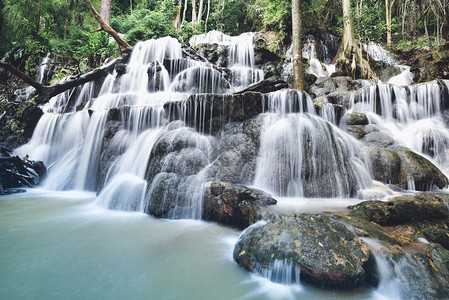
x,y
105,27
298,75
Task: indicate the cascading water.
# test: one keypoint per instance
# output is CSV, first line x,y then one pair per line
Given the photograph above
x,y
412,115
43,68
316,67
73,143
302,155
241,61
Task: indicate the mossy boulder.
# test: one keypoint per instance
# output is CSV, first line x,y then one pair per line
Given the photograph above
x,y
403,167
18,123
234,204
325,252
403,209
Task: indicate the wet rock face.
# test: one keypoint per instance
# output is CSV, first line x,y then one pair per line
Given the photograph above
x,y
404,168
176,172
17,122
326,85
325,252
356,118
239,147
210,112
235,205
216,54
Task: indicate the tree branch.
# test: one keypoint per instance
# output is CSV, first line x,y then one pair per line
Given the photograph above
x,y
106,28
39,87
45,93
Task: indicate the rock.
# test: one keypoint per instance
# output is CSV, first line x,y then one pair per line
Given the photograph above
x,y
177,169
404,168
426,276
378,138
155,78
403,209
111,148
384,164
121,69
18,123
325,252
239,148
235,205
437,67
269,85
356,118
210,112
214,53
327,85
437,235
424,174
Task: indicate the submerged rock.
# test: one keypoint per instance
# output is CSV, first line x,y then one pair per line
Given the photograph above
x,y
325,252
234,204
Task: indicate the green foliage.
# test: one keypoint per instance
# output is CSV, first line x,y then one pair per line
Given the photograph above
x,y
16,128
272,14
190,29
229,17
145,24
369,22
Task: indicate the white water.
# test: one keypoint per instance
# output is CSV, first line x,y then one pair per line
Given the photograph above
x,y
300,151
411,115
43,67
72,144
241,61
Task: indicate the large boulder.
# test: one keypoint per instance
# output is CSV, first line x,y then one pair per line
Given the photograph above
x,y
403,209
326,85
403,167
325,253
239,148
234,204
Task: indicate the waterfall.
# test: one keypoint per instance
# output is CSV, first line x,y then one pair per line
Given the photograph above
x,y
301,155
241,61
43,68
412,115
281,271
101,138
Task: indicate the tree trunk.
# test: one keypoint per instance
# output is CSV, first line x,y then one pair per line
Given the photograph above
x,y
348,56
184,12
200,11
45,93
298,75
105,11
207,16
193,11
388,8
177,21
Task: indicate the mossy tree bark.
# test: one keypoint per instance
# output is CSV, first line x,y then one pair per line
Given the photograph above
x,y
350,58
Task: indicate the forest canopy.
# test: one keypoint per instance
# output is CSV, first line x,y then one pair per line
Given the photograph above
x,y
32,28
